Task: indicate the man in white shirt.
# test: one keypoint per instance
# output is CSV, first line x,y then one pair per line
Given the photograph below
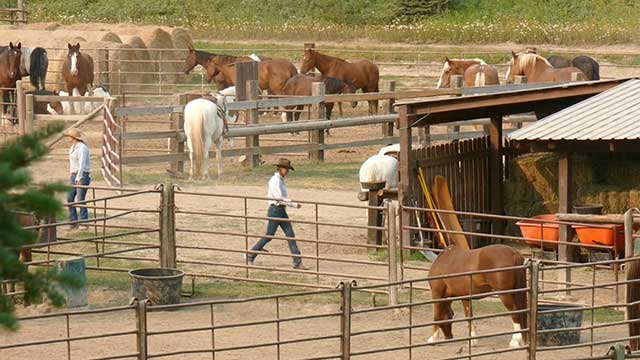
x,y
277,209
80,169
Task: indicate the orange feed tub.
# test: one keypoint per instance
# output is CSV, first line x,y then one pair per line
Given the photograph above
x,y
532,229
613,233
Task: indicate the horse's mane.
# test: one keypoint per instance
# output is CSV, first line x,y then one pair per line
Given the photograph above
x,y
528,60
227,59
482,62
332,57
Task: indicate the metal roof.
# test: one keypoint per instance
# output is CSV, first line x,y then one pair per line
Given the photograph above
x,y
611,115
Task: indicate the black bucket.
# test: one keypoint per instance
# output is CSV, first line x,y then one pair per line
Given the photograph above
x,y
161,286
571,318
588,209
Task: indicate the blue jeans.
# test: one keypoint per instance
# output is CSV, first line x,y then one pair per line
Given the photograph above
x,y
272,226
76,194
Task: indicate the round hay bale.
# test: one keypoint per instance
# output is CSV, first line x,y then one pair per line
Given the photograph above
x,y
142,54
111,37
161,49
181,38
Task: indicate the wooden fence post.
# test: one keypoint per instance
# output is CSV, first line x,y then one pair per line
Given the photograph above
x,y
533,309
20,106
29,117
317,136
168,226
392,252
345,320
21,14
253,142
387,106
102,68
457,82
141,327
176,144
577,76
246,71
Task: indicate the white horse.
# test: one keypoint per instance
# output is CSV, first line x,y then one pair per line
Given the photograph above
x,y
203,124
378,168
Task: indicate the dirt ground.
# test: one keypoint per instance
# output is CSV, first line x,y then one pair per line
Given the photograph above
x,y
54,168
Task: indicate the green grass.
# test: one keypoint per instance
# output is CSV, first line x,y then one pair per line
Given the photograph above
x,y
467,21
326,176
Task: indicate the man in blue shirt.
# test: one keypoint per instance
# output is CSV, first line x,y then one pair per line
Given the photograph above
x,y
278,203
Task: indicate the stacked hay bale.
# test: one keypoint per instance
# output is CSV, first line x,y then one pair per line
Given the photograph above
x,y
160,47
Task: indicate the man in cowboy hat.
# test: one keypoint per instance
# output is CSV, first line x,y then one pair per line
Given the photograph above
x,y
277,209
80,168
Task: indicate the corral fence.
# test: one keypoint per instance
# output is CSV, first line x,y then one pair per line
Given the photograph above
x,y
173,228
255,134
159,72
16,15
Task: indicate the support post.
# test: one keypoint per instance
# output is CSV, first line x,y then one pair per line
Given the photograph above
x,y
407,173
629,248
252,142
176,144
533,309
102,68
577,76
317,136
457,82
374,217
21,14
168,227
496,171
345,320
29,117
246,71
565,202
388,86
392,253
141,327
20,106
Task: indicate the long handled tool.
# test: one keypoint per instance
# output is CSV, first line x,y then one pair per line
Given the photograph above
x,y
429,255
431,205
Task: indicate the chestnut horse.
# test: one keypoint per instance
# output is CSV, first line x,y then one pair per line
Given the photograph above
x,y
77,70
476,72
198,57
363,74
10,60
272,74
300,85
537,69
455,259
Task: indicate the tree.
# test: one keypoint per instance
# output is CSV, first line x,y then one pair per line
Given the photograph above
x,y
18,193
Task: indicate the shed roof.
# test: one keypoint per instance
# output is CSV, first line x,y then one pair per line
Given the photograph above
x,y
611,115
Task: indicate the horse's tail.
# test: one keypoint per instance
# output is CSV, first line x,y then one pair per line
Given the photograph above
x,y
38,65
481,78
520,299
195,116
633,295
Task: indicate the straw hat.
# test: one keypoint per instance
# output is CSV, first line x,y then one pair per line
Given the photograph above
x,y
285,163
76,134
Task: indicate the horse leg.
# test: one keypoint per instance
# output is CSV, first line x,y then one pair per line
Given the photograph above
x,y
441,311
190,146
509,302
468,313
219,143
205,160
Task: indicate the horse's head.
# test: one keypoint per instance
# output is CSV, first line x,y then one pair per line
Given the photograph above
x,y
73,54
308,61
55,107
450,68
191,61
14,56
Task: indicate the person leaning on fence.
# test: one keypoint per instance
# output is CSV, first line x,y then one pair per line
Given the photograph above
x,y
80,169
278,210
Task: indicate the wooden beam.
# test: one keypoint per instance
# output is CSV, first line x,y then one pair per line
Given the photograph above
x,y
253,141
317,136
565,205
496,172
407,166
584,218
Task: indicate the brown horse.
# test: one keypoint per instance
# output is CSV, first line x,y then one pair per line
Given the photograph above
x,y
77,70
363,74
457,260
9,72
272,74
300,85
475,71
537,69
202,58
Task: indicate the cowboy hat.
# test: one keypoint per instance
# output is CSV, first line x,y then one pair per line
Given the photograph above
x,y
76,134
285,163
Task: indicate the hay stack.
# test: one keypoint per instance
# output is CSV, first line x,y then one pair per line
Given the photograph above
x,y
160,47
141,53
181,38
111,37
